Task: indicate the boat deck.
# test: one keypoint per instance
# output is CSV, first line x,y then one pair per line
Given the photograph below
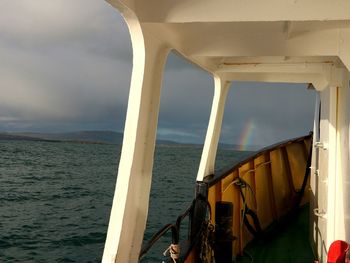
x,y
286,243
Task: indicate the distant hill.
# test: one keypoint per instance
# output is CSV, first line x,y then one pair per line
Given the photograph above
x,y
12,137
79,136
109,137
237,147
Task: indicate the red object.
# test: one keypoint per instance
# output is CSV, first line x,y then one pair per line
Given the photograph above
x,y
337,252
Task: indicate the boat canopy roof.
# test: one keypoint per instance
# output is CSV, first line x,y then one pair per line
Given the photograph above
x,y
270,41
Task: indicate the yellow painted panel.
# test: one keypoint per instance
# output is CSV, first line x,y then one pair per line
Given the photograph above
x,y
227,187
247,173
231,194
297,160
212,201
264,208
191,258
307,144
271,176
280,182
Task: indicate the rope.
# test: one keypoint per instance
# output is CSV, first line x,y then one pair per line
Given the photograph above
x,y
206,251
247,172
174,251
157,236
243,185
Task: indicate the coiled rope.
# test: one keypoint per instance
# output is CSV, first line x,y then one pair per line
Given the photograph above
x,y
174,252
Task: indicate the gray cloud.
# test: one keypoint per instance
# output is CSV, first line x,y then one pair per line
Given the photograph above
x,y
275,111
62,63
67,66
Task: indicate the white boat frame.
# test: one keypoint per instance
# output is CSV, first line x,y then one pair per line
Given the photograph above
x,y
269,41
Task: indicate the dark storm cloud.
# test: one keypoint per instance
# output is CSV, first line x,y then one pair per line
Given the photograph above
x,y
185,102
276,110
62,63
66,65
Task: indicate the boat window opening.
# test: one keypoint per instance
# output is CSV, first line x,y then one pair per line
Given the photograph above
x,y
260,114
63,100
185,105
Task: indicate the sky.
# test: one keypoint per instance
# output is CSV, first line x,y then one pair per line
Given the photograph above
x,y
66,66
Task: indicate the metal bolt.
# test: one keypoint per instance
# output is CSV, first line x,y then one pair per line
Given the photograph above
x,y
322,145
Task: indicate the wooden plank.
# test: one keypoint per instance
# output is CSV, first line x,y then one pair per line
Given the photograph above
x,y
297,161
288,170
281,183
271,190
264,208
270,176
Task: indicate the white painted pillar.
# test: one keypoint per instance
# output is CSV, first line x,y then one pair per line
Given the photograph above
x,y
343,183
325,167
342,202
328,173
331,181
344,46
131,199
314,179
332,172
207,164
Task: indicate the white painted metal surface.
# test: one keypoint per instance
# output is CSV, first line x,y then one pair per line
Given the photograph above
x,y
207,164
130,204
324,191
342,202
268,41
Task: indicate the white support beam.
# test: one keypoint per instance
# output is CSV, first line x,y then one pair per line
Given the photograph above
x,y
314,180
282,67
344,47
289,27
332,172
319,74
131,199
207,164
342,183
125,7
319,81
187,11
207,44
242,40
326,174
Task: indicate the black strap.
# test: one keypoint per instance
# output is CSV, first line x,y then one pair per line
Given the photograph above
x,y
256,231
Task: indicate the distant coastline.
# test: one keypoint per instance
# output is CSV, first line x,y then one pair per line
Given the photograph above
x,y
82,137
98,137
12,137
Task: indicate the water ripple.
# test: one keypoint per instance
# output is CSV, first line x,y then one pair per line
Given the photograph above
x,y
56,198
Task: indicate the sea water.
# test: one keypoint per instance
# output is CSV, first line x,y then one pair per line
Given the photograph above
x,y
55,197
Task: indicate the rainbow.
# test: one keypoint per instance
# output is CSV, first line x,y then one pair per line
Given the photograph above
x,y
246,136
